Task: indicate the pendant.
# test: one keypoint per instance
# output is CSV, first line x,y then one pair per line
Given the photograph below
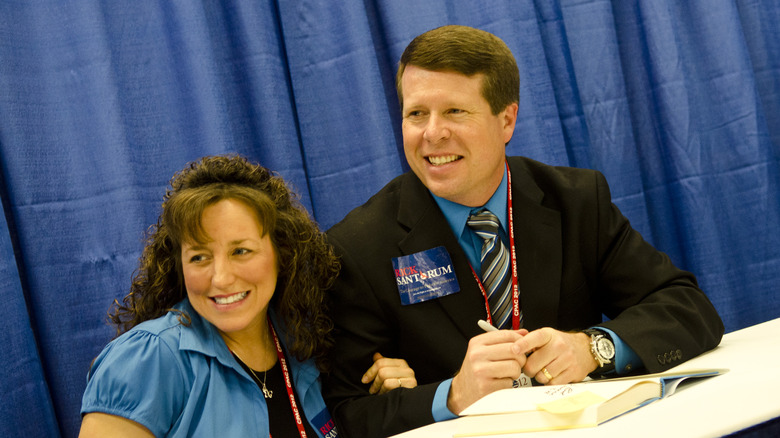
x,y
267,393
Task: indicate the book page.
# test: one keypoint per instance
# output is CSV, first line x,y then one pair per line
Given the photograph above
x,y
574,396
578,396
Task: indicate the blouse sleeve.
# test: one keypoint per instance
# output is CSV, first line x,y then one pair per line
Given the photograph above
x,y
139,377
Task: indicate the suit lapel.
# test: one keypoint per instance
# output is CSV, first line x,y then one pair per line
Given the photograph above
x,y
539,251
428,229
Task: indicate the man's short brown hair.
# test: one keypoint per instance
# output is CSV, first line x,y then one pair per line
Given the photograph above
x,y
468,51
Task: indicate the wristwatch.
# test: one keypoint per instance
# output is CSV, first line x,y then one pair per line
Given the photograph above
x,y
603,350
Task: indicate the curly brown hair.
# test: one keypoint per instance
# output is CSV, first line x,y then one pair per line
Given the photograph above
x,y
307,263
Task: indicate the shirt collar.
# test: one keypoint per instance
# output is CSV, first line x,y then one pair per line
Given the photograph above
x,y
200,335
457,214
203,337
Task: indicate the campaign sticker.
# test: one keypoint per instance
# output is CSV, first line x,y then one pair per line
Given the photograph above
x,y
425,276
325,424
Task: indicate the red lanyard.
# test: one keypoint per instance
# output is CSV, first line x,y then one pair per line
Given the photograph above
x,y
515,287
287,382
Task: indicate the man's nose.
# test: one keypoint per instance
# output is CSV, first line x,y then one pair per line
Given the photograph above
x,y
436,129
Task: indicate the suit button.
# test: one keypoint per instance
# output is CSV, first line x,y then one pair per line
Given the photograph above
x,y
661,359
679,354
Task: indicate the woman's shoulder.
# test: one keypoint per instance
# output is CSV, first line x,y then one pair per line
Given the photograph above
x,y
142,346
127,377
181,338
166,326
163,330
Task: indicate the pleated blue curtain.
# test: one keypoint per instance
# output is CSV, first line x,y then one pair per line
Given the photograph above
x,y
23,391
677,102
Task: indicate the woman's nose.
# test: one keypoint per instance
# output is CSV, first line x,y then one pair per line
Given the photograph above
x,y
223,273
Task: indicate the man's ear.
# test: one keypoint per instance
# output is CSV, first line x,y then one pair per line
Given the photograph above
x,y
509,118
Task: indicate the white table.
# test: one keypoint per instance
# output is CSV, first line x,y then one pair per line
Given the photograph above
x,y
747,395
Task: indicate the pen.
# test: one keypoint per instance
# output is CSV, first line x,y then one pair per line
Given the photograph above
x,y
484,325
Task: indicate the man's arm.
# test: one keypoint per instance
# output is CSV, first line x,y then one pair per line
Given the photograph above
x,y
657,309
366,324
362,330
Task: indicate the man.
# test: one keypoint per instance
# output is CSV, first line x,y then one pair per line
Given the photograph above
x,y
415,281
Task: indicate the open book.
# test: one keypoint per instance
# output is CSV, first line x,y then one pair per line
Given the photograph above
x,y
584,404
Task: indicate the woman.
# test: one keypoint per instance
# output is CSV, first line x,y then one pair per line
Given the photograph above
x,y
225,319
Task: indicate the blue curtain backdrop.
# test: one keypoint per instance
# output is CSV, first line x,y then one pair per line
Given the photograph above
x,y
676,101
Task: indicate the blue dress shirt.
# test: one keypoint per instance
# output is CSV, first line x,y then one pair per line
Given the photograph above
x,y
182,381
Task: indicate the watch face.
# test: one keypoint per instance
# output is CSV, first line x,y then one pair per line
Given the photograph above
x,y
605,348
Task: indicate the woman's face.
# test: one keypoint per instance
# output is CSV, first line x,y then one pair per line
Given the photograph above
x,y
231,277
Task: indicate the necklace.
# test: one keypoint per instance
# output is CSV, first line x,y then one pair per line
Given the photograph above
x,y
267,393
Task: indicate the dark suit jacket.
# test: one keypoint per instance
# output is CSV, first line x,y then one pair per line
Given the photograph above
x,y
578,258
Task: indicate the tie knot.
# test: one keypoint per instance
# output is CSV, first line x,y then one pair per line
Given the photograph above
x,y
484,222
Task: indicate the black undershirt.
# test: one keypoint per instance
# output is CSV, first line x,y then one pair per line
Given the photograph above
x,y
280,415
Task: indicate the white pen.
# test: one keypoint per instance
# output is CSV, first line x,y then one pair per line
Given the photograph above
x,y
486,326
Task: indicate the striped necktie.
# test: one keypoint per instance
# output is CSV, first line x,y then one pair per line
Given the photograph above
x,y
496,277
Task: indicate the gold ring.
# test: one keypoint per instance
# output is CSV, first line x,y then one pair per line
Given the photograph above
x,y
547,374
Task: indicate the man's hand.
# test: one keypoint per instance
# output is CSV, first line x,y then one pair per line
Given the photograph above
x,y
386,374
556,357
490,364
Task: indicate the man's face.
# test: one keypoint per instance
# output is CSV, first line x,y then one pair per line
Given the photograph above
x,y
452,141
